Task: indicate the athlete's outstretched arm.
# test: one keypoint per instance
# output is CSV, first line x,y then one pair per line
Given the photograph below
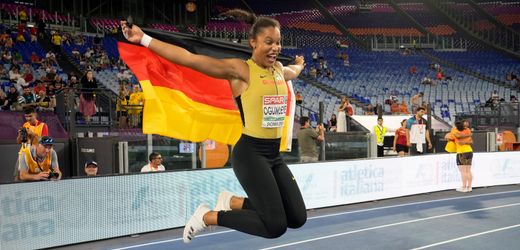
x,y
218,68
293,71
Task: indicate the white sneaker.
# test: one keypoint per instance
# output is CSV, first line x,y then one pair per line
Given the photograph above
x,y
224,201
196,223
467,190
461,189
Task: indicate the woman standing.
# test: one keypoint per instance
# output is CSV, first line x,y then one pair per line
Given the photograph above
x,y
342,115
463,141
400,140
274,201
87,97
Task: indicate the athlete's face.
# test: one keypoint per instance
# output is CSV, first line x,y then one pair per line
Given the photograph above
x,y
266,46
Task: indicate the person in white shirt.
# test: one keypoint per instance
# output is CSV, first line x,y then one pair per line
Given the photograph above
x,y
155,163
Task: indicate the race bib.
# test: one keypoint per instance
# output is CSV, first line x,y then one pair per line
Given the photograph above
x,y
274,108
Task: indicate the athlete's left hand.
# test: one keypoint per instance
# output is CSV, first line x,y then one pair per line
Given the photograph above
x,y
299,60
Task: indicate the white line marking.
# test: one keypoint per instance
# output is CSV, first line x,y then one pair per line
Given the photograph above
x,y
468,236
387,225
171,240
410,204
335,214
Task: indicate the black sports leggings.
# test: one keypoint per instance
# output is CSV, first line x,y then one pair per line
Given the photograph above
x,y
274,201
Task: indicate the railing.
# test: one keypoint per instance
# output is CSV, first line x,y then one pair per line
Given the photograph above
x,y
439,43
494,115
69,109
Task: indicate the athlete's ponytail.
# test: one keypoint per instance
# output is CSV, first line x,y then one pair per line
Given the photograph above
x,y
257,23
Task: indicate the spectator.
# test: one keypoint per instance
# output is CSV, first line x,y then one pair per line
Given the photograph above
x,y
307,138
416,100
135,109
14,74
39,87
394,107
495,97
3,100
12,99
39,162
427,81
299,99
27,99
75,53
56,41
439,75
417,134
35,59
87,98
513,99
329,74
413,70
22,16
34,34
314,56
313,72
20,38
7,57
91,168
3,73
369,109
400,140
73,81
155,163
17,57
44,102
380,132
403,108
121,107
333,122
21,84
342,116
51,58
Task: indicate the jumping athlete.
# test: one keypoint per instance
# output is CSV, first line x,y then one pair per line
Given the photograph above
x,y
274,201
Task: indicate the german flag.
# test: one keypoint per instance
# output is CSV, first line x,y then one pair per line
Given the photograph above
x,y
183,103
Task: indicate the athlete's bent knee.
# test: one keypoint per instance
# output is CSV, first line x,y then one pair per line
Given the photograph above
x,y
275,229
298,221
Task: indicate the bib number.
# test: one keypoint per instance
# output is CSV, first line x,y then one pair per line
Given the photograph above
x,y
274,108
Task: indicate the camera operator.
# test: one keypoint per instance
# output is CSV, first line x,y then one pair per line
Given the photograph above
x,y
32,129
29,134
39,162
307,139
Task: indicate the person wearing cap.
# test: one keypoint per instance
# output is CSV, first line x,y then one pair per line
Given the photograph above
x,y
155,163
91,168
39,162
29,134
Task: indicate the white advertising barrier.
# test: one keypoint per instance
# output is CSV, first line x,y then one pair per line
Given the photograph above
x,y
47,214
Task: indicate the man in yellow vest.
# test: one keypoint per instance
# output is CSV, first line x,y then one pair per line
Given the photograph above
x,y
34,129
29,134
380,132
39,162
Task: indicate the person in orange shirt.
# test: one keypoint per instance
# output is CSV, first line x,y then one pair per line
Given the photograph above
x,y
404,108
394,107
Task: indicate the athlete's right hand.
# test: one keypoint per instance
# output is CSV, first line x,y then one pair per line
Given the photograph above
x,y
134,34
